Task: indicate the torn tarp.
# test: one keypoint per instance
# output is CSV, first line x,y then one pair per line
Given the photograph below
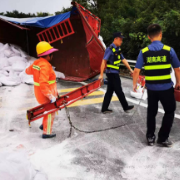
x,y
41,22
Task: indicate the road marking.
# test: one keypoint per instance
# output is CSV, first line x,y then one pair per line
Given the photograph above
x,y
135,102
66,90
95,93
91,101
82,101
33,99
101,91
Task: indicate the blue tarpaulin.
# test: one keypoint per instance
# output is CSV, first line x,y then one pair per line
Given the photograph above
x,y
41,22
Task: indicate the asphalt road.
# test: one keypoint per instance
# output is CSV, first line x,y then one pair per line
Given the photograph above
x,y
118,154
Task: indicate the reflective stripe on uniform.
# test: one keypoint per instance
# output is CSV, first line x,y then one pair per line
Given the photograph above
x,y
153,67
145,49
49,124
166,48
111,66
36,84
119,57
113,49
50,82
156,78
117,62
36,67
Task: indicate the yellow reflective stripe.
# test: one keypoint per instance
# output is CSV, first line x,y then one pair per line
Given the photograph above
x,y
119,57
111,66
117,62
36,84
113,49
36,67
145,50
52,82
153,67
49,124
166,48
156,78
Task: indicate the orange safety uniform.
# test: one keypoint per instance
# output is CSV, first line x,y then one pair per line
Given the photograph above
x,y
44,87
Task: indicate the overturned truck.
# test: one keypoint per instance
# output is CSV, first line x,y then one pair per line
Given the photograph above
x,y
74,33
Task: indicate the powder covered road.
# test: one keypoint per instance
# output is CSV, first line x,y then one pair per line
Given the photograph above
x,y
120,154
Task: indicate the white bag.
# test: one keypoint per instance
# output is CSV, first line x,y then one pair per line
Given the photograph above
x,y
16,50
139,88
28,79
173,77
1,46
136,95
59,75
10,81
3,62
8,53
19,66
140,93
31,60
101,39
40,176
6,46
23,54
12,60
3,73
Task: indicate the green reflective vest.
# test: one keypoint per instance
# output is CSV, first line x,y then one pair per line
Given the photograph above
x,y
117,59
157,65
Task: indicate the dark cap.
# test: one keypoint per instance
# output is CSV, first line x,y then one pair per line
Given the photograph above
x,y
118,34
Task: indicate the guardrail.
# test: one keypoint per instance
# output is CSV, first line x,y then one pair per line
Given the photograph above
x,y
130,63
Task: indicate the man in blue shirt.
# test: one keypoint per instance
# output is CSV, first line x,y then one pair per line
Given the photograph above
x,y
112,58
157,59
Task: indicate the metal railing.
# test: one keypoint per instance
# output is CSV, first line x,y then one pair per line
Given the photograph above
x,y
132,63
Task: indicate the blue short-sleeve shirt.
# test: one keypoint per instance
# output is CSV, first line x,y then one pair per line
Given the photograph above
x,y
157,46
109,56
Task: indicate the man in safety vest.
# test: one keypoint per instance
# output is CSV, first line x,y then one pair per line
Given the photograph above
x,y
44,83
112,58
157,59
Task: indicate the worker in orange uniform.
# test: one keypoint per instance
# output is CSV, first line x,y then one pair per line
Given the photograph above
x,y
44,83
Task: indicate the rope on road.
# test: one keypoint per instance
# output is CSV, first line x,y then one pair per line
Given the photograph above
x,y
100,130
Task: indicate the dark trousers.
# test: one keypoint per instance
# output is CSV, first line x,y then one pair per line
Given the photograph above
x,y
168,102
114,85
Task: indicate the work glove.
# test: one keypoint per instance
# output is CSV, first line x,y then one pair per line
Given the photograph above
x,y
53,99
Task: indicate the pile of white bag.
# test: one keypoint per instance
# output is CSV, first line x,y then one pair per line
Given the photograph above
x,y
13,62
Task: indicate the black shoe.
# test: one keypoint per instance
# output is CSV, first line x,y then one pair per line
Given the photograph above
x,y
166,143
129,108
45,136
151,140
41,127
107,111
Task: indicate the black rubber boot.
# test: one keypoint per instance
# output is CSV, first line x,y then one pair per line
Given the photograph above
x,y
41,127
45,136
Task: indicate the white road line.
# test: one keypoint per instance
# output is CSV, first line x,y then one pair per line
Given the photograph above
x,y
136,102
